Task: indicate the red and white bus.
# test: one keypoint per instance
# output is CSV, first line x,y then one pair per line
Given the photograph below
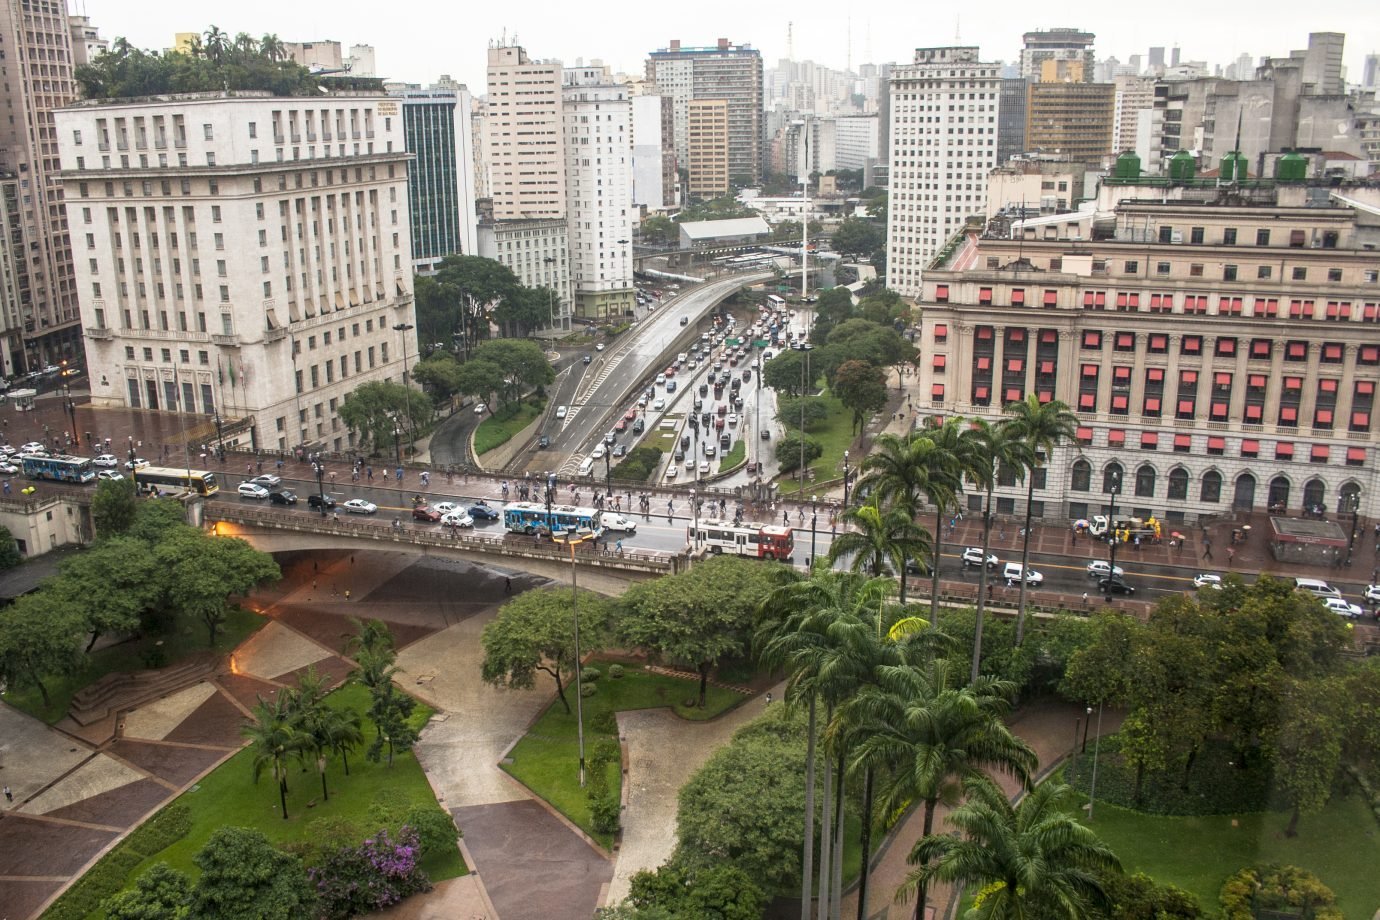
x,y
760,541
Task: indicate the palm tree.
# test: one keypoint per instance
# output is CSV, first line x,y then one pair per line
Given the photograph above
x,y
1043,427
275,739
1028,860
342,732
993,451
882,541
271,47
216,44
943,453
930,734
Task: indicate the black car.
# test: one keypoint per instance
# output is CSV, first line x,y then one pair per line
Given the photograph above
x,y
483,513
1115,586
320,501
283,497
543,442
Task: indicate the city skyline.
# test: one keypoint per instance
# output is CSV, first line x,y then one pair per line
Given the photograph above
x,y
408,54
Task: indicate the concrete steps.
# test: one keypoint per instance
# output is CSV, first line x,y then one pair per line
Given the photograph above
x,y
116,692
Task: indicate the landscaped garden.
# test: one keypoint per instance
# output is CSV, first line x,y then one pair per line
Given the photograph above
x,y
505,422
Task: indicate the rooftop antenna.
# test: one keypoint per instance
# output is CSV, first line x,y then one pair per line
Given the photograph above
x,y
848,55
958,28
790,41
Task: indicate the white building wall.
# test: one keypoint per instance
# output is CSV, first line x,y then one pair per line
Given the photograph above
x,y
855,141
538,252
676,78
246,256
647,154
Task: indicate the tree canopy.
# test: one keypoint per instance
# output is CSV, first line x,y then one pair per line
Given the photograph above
x,y
535,632
373,410
215,63
467,293
243,875
858,237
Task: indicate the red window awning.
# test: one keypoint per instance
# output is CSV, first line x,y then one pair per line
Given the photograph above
x,y
1121,375
937,391
1369,354
1155,375
1120,400
1090,370
1222,379
984,363
1289,414
1324,416
1256,381
982,392
985,293
1319,453
984,332
1125,340
1332,351
1250,447
941,292
1015,365
1085,435
940,361
1226,347
1121,300
1188,378
1051,298
1087,401
1152,404
1254,412
1216,443
1013,394
1116,436
1046,396
1360,419
1298,351
1018,296
1049,336
1284,450
1159,342
1087,298
1183,440
1092,340
1046,367
941,331
1356,455
1149,440
1365,387
1293,383
1185,407
1327,385
1101,298
1016,334
1219,409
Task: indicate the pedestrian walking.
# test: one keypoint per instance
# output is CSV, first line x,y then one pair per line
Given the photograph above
x,y
369,472
400,474
1231,554
507,586
9,796
1207,550
7,487
1085,600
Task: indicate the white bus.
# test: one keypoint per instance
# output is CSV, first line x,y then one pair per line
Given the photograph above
x,y
533,518
776,302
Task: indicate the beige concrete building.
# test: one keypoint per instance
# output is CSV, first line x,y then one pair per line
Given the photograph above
x,y
1070,120
1033,185
1220,351
524,141
707,150
246,256
724,71
1134,94
87,44
36,38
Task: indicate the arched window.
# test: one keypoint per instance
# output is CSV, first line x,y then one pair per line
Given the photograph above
x,y
1349,499
1178,483
1314,492
1211,491
1244,497
1145,481
1279,494
1111,478
1082,476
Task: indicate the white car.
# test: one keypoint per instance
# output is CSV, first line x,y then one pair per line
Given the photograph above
x,y
599,347
1341,607
598,452
671,471
659,404
481,408
1012,574
267,479
1208,580
360,506
732,420
252,490
456,518
1373,593
617,522
704,466
138,463
115,475
973,556
109,461
660,380
31,447
1101,569
560,411
444,508
9,469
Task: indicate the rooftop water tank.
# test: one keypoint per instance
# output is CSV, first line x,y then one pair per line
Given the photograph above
x,y
1127,166
1182,166
1292,167
1234,168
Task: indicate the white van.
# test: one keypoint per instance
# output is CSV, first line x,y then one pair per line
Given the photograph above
x,y
612,521
586,466
1316,587
680,358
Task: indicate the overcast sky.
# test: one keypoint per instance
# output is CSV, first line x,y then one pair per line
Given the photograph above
x,y
416,42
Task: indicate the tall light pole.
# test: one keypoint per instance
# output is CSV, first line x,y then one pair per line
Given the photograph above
x,y
814,505
551,298
1111,529
620,244
846,471
804,212
405,328
579,696
1097,748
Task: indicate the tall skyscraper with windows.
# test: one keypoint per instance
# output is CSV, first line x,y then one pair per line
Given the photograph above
x,y
436,125
943,144
36,48
723,71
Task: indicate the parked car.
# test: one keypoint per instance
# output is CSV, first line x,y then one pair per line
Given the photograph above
x,y
360,506
1100,568
973,556
1373,593
318,502
1342,607
252,490
426,513
282,497
32,447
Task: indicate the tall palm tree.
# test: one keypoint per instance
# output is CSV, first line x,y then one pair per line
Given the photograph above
x,y
1043,427
993,450
215,44
929,734
1031,860
271,47
275,740
880,541
943,453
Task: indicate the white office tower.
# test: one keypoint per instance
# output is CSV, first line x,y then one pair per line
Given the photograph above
x,y
240,256
943,144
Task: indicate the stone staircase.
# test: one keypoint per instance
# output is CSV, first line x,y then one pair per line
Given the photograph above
x,y
116,692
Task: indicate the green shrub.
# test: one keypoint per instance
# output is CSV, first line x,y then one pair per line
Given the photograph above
x,y
590,674
606,751
109,875
387,809
435,827
615,671
606,722
1283,889
588,690
322,837
604,813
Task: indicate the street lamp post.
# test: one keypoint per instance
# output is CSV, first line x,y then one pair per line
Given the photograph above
x,y
220,436
846,471
1097,747
404,329
320,470
814,506
695,527
1111,528
397,440
71,408
579,686
551,300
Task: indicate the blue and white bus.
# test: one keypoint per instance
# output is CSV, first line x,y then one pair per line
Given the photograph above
x,y
533,518
62,469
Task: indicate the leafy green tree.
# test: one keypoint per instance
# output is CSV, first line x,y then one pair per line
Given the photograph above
x,y
834,306
1028,860
857,237
523,310
155,521
1140,897
38,639
1307,747
113,506
659,230
439,374
373,410
161,893
475,290
720,892
391,712
699,616
535,632
861,388
864,340
792,452
437,309
884,307
243,875
785,373
524,365
1043,426
112,585
214,64
275,737
203,572
877,206
480,379
812,409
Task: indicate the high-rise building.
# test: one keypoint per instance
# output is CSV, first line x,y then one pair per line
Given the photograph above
x,y
14,277
36,38
597,121
1011,118
255,269
1072,121
525,147
1134,94
943,145
87,44
1322,63
1370,73
316,55
1156,64
1071,45
725,71
436,128
361,61
707,156
654,152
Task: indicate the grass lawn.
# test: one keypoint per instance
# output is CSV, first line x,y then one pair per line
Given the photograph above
x,y
495,431
230,797
133,656
734,457
546,759
835,434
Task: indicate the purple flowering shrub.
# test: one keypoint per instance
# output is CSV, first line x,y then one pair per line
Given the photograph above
x,y
375,874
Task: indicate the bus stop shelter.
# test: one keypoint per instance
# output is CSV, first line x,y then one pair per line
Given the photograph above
x,y
23,399
1308,542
